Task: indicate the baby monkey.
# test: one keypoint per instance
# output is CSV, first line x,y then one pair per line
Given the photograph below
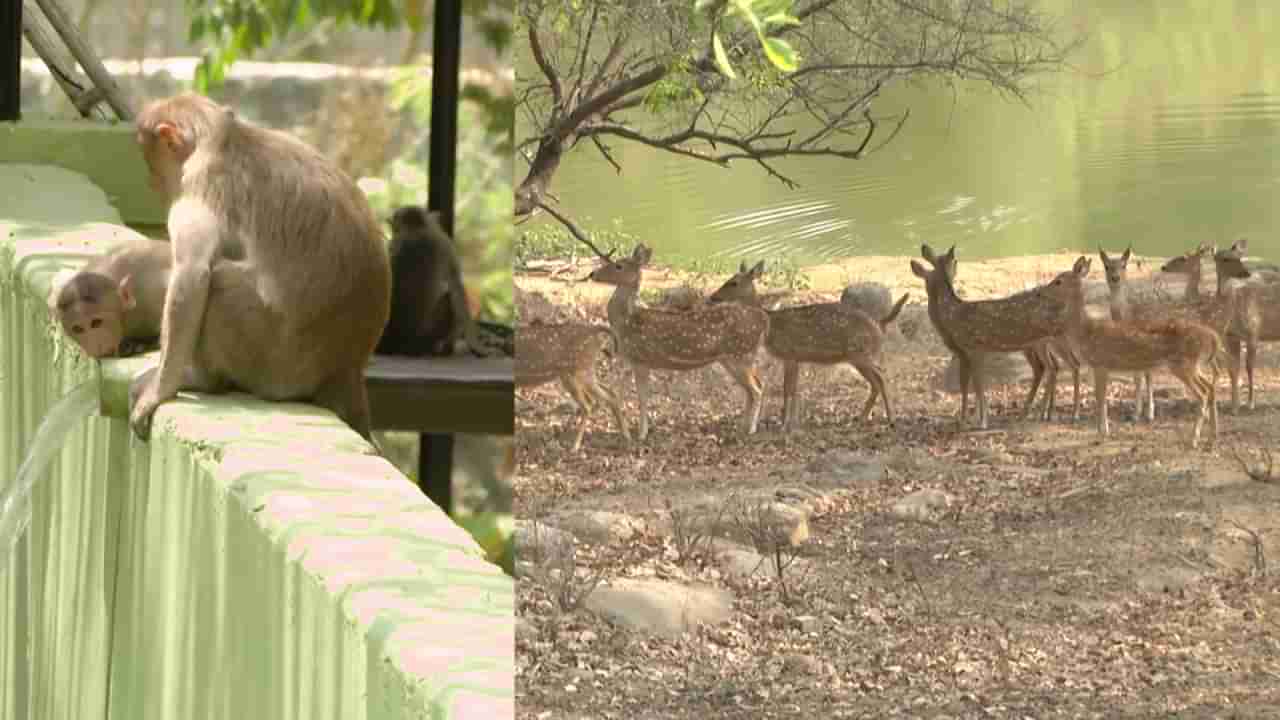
x,y
112,306
429,313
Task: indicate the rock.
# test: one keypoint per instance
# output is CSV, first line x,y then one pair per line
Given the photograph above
x,y
800,496
658,606
537,543
783,523
1001,369
1167,579
1222,477
922,505
600,527
871,298
740,563
748,520
848,468
807,623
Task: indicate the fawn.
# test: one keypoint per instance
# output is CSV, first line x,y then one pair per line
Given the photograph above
x,y
970,329
727,334
1184,346
1223,310
825,333
1045,358
567,352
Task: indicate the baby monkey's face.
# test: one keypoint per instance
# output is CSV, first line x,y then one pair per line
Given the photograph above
x,y
91,310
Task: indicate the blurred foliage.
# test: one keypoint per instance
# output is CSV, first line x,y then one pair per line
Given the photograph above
x,y
483,191
237,29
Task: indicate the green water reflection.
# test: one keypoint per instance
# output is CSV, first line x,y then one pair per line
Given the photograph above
x,y
1167,134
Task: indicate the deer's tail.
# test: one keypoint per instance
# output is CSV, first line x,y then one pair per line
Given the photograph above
x,y
893,313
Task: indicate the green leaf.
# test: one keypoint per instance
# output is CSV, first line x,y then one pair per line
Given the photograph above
x,y
781,54
722,58
781,19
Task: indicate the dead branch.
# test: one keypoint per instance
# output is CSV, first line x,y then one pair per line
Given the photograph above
x,y
576,231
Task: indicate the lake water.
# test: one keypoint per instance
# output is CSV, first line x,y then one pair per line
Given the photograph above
x,y
1166,134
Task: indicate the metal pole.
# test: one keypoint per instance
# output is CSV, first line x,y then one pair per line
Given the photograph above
x,y
10,60
435,460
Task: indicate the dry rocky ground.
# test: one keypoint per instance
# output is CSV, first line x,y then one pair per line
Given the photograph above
x,y
853,570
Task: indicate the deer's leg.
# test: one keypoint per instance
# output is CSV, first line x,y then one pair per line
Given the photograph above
x,y
1100,399
1151,397
964,367
1037,374
1075,401
1190,380
573,385
609,398
1233,367
642,397
979,377
1051,383
1213,405
1251,351
744,372
875,379
790,383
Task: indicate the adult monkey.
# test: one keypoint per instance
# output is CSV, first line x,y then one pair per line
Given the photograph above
x,y
280,285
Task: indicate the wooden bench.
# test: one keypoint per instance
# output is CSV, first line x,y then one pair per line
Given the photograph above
x,y
437,397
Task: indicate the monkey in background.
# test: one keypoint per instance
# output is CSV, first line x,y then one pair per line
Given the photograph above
x,y
280,283
429,312
112,306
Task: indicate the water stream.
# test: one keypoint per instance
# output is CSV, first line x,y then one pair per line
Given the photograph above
x,y
15,500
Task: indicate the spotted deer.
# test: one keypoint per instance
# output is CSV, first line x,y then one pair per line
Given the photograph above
x,y
972,329
727,334
568,352
1257,314
1186,347
1116,271
824,333
1045,358
1225,310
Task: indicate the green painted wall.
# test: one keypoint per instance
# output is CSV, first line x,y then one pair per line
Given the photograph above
x,y
107,153
254,560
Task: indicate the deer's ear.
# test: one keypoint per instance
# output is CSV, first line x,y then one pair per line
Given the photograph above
x,y
919,270
742,266
1124,258
758,270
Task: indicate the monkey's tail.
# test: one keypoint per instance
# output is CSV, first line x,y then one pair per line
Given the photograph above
x,y
893,314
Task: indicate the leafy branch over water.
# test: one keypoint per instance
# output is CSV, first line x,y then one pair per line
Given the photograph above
x,y
653,74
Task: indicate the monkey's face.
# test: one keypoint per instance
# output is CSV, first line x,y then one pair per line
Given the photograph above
x,y
165,152
96,326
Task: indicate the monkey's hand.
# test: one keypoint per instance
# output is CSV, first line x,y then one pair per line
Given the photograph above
x,y
144,398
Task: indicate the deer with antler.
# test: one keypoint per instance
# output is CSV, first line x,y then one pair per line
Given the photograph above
x,y
824,333
1024,322
727,334
568,352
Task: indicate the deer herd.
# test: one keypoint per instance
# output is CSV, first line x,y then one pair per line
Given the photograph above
x,y
1049,324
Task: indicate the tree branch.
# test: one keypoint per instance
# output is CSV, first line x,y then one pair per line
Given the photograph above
x,y
557,93
576,231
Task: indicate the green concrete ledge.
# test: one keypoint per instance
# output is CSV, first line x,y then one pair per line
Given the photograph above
x,y
106,153
254,560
